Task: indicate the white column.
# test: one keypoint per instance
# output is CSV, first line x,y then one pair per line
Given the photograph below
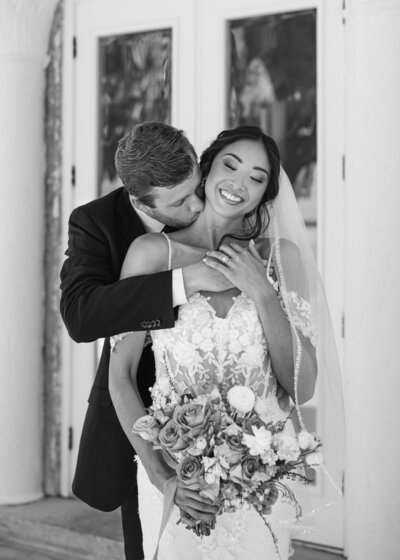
x,y
373,279
24,32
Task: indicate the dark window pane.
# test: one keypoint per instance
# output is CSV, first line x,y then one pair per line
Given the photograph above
x,y
135,86
273,84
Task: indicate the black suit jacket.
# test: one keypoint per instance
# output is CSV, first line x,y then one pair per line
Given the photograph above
x,y
96,304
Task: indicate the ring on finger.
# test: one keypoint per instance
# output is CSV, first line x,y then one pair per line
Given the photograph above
x,y
225,259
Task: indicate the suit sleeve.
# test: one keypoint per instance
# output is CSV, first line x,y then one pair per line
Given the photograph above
x,y
94,304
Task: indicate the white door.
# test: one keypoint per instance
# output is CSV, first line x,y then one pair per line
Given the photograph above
x,y
215,58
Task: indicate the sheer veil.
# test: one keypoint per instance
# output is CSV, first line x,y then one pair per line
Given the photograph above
x,y
306,306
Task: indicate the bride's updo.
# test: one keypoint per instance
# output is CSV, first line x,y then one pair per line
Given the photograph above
x,y
258,219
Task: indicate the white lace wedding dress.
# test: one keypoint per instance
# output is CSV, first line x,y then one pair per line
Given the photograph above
x,y
226,351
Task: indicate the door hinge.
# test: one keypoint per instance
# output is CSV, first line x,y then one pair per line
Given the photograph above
x,y
343,484
74,47
70,438
344,12
343,167
343,325
73,176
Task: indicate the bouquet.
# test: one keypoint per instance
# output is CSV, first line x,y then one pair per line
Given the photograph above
x,y
226,444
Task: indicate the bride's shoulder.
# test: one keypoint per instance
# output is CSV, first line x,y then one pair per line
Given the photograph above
x,y
147,254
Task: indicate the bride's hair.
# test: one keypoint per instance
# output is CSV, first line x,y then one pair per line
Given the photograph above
x,y
258,219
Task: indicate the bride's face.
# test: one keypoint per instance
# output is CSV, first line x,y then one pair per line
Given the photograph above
x,y
238,178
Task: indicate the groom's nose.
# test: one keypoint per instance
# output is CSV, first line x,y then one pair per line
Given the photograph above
x,y
195,204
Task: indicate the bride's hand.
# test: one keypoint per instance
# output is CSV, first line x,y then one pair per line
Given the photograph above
x,y
197,507
243,266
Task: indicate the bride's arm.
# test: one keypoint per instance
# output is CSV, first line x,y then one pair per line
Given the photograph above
x,y
124,361
246,270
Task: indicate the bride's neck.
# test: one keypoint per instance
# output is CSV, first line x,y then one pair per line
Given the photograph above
x,y
210,228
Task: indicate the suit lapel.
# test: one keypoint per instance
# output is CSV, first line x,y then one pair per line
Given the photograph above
x,y
128,222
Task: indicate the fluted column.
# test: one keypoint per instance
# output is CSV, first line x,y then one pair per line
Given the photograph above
x,y
24,32
372,279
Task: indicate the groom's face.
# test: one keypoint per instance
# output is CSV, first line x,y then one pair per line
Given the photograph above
x,y
179,205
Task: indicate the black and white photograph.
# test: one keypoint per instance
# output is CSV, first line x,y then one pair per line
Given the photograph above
x,y
200,279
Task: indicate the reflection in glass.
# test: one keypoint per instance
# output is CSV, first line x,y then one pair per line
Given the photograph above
x,y
273,85
135,86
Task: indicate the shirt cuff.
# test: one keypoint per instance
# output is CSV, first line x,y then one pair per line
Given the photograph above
x,y
178,288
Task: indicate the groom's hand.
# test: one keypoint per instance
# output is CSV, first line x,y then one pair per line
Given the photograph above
x,y
200,277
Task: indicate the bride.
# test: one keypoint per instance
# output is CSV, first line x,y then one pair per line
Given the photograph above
x,y
259,333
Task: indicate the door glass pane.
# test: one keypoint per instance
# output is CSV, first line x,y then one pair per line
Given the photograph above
x,y
134,86
273,84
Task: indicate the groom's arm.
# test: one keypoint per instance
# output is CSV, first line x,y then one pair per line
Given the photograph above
x,y
94,303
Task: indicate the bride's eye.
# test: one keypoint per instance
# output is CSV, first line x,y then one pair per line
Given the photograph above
x,y
229,166
257,180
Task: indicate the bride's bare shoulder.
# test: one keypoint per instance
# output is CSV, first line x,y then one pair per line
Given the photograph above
x,y
147,254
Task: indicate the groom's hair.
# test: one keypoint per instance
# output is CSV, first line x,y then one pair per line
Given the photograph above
x,y
153,154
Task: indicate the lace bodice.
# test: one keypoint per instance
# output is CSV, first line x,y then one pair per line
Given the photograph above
x,y
205,348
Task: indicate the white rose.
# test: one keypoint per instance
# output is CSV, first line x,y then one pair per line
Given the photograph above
x,y
196,338
241,398
306,440
314,459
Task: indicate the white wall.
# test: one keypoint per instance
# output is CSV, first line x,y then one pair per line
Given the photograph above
x,y
372,279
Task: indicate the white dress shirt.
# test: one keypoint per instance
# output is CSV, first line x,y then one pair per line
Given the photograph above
x,y
154,226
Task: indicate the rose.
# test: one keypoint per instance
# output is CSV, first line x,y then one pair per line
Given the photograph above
x,y
250,465
306,440
314,459
146,427
170,437
192,419
241,398
189,470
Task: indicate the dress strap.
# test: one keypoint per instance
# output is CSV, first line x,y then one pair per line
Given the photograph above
x,y
169,250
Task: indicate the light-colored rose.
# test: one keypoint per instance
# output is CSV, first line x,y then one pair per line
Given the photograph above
x,y
170,437
196,338
306,440
146,427
189,470
192,419
260,442
314,459
241,398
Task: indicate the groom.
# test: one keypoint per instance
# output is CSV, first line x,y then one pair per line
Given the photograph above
x,y
161,177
